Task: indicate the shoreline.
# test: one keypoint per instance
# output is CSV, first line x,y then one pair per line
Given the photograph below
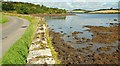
x,y
101,33
84,54
69,55
50,15
73,57
42,15
91,53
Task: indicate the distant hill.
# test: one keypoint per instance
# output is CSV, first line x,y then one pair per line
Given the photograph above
x,y
29,8
106,11
78,11
100,11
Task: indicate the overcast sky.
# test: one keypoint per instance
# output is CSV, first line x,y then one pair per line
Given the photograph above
x,y
75,4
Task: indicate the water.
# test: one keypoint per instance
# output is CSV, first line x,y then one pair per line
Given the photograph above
x,y
77,22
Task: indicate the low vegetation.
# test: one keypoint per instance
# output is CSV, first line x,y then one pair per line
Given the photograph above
x,y
3,19
105,11
29,8
99,11
17,53
79,11
54,53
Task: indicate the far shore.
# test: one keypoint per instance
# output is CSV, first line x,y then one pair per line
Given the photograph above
x,y
97,12
42,15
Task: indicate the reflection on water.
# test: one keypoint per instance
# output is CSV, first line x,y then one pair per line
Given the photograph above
x,y
77,23
67,25
55,17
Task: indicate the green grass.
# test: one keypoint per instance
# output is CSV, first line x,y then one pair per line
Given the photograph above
x,y
17,54
3,19
54,53
0,61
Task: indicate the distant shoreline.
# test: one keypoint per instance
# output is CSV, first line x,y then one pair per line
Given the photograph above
x,y
42,15
96,12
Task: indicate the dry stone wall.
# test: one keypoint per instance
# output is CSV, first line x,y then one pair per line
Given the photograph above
x,y
39,51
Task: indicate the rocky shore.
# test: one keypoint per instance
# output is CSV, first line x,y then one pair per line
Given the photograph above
x,y
43,15
85,55
66,53
106,35
98,50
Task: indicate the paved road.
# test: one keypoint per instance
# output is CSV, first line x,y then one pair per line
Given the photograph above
x,y
12,31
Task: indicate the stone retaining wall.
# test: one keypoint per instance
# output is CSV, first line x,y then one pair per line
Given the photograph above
x,y
39,51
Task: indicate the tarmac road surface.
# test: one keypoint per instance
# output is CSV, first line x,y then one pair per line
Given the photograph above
x,y
11,32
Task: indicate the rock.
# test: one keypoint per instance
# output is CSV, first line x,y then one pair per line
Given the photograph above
x,y
38,53
84,39
37,61
75,33
36,40
78,41
69,41
61,31
40,31
70,27
115,19
45,61
41,28
52,29
104,48
44,42
32,60
60,28
34,46
68,36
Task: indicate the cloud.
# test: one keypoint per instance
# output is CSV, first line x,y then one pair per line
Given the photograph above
x,y
95,0
81,5
64,0
75,4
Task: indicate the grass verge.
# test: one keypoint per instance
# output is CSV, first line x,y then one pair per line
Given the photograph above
x,y
3,19
54,53
17,54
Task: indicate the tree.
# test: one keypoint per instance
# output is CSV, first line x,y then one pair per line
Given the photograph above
x,y
7,6
111,8
28,8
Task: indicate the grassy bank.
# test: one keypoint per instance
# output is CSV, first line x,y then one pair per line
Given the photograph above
x,y
54,53
17,53
3,19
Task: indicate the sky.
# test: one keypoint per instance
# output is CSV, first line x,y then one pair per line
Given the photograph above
x,y
75,4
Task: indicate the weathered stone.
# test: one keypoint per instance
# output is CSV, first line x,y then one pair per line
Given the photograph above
x,y
33,46
45,61
36,40
36,53
40,31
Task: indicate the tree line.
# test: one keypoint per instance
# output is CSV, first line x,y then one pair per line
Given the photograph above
x,y
29,8
106,9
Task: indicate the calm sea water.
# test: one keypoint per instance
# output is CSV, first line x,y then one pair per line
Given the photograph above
x,y
77,22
